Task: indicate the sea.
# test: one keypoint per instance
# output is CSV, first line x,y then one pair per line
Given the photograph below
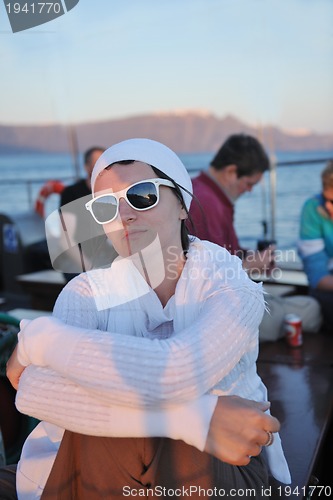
x,y
274,204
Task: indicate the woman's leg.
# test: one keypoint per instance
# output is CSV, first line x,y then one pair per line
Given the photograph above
x,y
91,468
8,483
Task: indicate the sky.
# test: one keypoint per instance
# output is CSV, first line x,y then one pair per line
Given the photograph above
x,y
263,61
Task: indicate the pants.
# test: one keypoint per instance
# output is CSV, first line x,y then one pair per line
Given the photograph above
x,y
94,468
307,308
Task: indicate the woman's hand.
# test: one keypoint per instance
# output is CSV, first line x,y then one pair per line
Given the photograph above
x,y
14,369
238,429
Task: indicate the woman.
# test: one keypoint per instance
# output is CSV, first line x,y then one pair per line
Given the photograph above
x,y
142,350
316,244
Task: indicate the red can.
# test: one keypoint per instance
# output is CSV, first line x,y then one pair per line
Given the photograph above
x,y
293,330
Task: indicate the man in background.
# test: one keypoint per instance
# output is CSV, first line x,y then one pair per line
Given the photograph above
x,y
316,244
83,243
82,187
236,168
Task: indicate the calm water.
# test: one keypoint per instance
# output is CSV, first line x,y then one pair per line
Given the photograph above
x,y
294,184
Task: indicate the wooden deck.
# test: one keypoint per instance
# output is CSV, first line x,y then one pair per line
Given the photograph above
x,y
300,388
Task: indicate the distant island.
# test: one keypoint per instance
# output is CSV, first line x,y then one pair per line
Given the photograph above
x,y
184,132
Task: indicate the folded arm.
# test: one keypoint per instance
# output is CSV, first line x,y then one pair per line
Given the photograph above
x,y
140,372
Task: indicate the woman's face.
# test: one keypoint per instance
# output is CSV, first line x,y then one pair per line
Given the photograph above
x,y
132,230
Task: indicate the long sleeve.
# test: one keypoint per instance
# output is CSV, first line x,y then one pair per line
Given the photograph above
x,y
54,399
145,373
77,364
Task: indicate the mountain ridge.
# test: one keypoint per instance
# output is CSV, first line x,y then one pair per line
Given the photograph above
x,y
183,131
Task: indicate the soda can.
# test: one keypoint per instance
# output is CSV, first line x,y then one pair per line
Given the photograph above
x,y
293,330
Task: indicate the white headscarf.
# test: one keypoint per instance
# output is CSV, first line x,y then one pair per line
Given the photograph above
x,y
151,152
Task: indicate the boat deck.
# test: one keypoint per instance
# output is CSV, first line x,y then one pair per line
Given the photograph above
x,y
300,388
299,381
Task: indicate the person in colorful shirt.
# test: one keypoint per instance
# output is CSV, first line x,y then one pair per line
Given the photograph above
x,y
316,243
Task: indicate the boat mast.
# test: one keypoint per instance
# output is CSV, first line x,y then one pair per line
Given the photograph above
x,y
74,147
264,222
272,180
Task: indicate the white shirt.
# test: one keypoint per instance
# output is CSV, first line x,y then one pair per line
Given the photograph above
x,y
87,378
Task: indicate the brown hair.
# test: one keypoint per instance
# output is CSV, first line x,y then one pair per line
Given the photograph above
x,y
245,152
327,175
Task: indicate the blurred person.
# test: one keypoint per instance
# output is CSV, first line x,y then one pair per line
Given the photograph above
x,y
236,168
316,244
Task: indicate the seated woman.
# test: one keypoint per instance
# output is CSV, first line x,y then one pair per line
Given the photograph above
x,y
148,365
316,244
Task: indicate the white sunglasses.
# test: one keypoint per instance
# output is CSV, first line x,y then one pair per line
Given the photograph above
x,y
141,196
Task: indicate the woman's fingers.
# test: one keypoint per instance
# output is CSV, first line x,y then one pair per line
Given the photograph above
x,y
239,429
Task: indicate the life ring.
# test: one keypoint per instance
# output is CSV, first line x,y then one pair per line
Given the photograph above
x,y
50,187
